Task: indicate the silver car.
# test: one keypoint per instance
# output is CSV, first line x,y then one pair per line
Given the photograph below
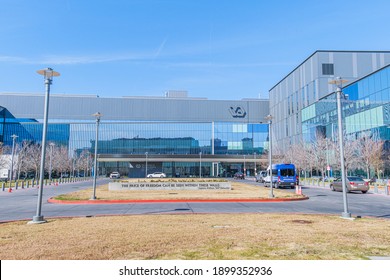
x,y
260,176
353,184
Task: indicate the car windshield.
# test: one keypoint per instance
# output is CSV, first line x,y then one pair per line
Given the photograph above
x,y
355,179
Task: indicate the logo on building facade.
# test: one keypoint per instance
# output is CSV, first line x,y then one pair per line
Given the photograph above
x,y
237,112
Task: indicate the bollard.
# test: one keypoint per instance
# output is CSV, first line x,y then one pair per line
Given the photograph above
x,y
16,185
3,186
375,187
387,190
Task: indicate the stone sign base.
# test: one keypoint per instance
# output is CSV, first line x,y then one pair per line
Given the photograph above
x,y
120,186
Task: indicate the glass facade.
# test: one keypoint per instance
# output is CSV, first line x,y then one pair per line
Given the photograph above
x,y
365,109
154,138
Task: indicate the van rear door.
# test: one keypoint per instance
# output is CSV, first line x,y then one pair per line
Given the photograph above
x,y
287,176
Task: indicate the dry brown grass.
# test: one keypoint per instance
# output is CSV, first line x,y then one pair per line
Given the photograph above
x,y
239,191
197,236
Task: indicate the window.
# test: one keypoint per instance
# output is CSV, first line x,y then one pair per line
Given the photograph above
x,y
287,172
327,69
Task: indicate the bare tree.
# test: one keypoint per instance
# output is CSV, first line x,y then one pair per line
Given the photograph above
x,y
33,157
4,162
22,158
62,162
300,158
84,161
378,157
371,153
320,153
351,155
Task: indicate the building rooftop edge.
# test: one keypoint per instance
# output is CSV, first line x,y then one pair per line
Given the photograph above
x,y
132,97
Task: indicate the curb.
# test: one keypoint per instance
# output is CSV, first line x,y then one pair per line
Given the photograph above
x,y
123,201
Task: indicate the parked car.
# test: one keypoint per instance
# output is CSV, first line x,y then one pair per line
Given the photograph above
x,y
353,183
261,176
239,175
157,175
115,175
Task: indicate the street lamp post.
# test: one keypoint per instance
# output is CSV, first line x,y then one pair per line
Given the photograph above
x,y
200,164
255,169
12,157
51,156
97,115
244,165
338,82
269,118
48,74
146,164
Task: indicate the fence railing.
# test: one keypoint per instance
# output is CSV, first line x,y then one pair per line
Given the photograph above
x,y
34,183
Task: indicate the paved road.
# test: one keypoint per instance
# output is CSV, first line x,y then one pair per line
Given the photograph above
x,y
21,204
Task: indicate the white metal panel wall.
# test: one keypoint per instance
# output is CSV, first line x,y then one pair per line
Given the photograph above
x,y
136,109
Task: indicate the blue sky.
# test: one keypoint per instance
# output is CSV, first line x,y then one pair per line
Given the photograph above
x,y
211,48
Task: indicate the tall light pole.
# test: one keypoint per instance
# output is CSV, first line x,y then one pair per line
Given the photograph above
x,y
97,115
255,169
200,164
51,159
339,82
269,119
146,164
48,74
13,136
244,165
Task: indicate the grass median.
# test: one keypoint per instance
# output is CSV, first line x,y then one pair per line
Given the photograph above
x,y
197,237
239,191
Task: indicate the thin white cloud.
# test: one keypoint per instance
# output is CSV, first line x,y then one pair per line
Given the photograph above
x,y
86,59
160,48
4,58
76,59
225,65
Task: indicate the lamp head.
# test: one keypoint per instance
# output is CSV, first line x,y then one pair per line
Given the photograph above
x,y
48,73
97,115
338,82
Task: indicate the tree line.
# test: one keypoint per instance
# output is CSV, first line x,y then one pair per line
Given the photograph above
x,y
27,160
365,154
